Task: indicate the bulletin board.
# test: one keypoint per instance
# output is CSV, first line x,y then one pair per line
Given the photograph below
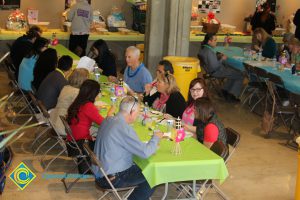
x,y
206,6
9,4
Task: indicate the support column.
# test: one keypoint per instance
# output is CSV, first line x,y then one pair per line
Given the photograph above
x,y
167,30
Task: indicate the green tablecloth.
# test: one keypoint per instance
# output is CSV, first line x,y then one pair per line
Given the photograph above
x,y
195,163
62,50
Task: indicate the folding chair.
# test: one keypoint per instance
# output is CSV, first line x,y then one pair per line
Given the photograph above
x,y
233,139
221,150
43,118
18,97
112,190
80,155
284,113
261,75
253,85
55,136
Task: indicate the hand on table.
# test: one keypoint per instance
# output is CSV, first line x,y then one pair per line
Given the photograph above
x,y
148,88
111,111
257,48
187,127
159,134
224,57
112,79
168,116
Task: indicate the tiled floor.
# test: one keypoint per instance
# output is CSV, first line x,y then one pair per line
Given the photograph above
x,y
260,169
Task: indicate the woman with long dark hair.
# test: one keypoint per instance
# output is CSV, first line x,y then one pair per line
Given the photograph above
x,y
104,58
82,112
197,89
45,64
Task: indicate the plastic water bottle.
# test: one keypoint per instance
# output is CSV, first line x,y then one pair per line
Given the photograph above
x,y
274,61
97,73
145,115
259,55
293,68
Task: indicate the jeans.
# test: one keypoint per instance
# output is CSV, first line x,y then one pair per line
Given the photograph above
x,y
77,41
130,177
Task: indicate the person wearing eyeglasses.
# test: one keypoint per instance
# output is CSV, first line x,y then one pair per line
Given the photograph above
x,y
136,75
168,98
81,114
197,89
164,66
115,146
220,69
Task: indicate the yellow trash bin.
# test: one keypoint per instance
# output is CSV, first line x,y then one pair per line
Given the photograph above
x,y
185,70
141,47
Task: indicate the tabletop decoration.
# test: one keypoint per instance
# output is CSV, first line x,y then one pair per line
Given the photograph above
x,y
119,89
210,23
145,114
227,40
16,21
180,134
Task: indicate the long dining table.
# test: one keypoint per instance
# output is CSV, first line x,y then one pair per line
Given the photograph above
x,y
196,162
236,59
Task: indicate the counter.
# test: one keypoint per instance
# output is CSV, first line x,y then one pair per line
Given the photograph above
x,y
116,36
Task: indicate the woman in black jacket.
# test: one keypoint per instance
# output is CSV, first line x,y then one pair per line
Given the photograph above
x,y
168,98
105,59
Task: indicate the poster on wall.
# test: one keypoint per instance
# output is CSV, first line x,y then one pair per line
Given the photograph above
x,y
206,6
9,4
69,3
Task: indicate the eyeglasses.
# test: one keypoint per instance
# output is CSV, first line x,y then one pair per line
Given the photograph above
x,y
135,102
195,90
167,76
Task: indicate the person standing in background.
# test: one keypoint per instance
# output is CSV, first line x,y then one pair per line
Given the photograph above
x,y
81,16
297,24
264,19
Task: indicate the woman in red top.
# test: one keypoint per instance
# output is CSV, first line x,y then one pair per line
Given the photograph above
x,y
82,112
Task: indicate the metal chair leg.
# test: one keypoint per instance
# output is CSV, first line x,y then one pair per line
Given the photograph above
x,y
53,159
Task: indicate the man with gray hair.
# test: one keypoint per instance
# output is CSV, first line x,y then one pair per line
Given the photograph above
x,y
115,146
136,75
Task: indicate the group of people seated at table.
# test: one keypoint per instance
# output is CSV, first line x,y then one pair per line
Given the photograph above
x,y
70,93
